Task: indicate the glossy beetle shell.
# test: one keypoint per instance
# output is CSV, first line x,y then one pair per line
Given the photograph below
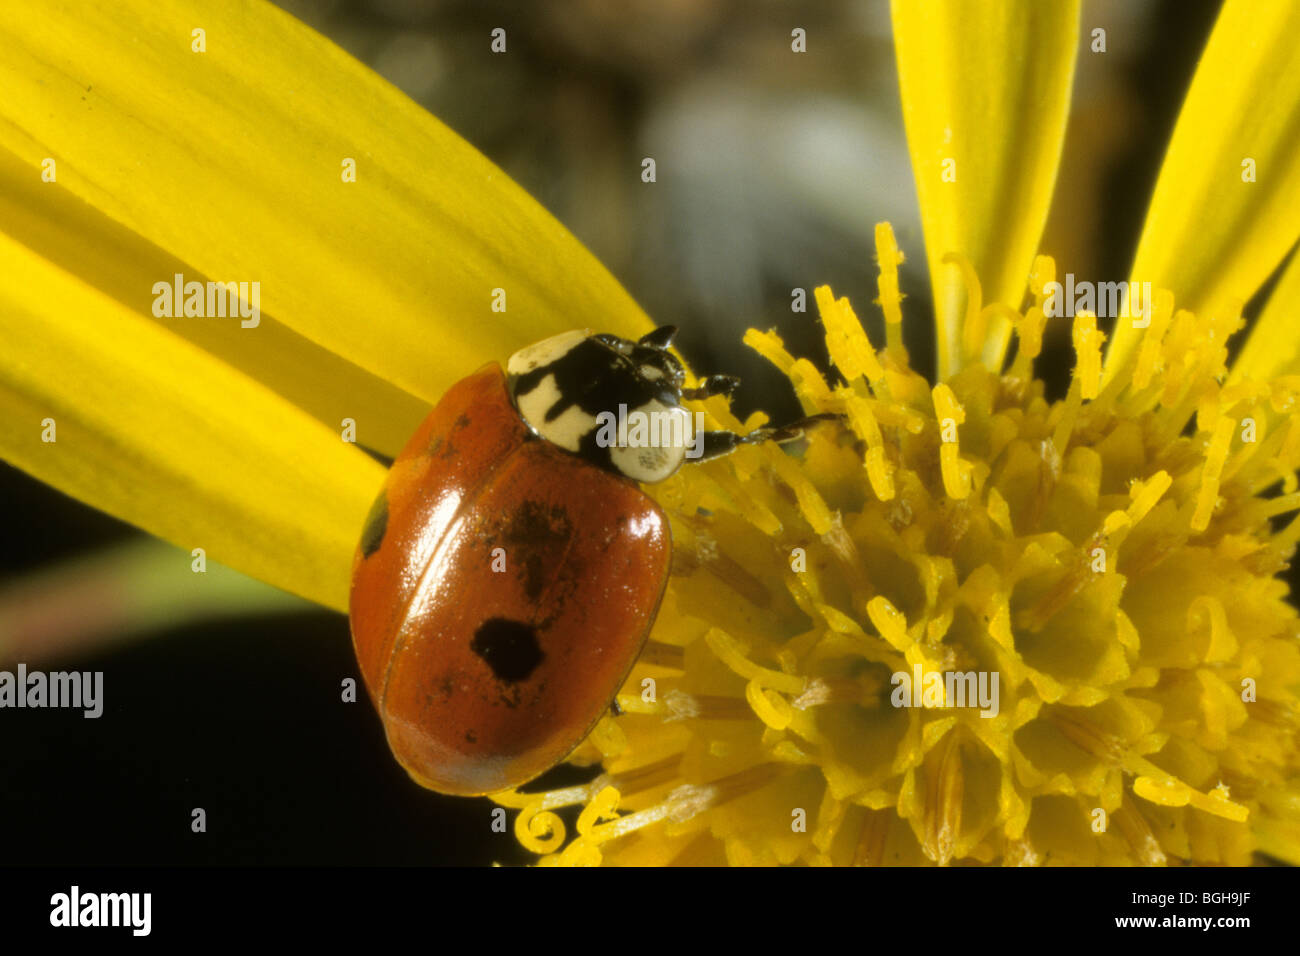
x,y
486,678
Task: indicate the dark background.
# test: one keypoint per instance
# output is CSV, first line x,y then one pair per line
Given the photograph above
x,y
243,716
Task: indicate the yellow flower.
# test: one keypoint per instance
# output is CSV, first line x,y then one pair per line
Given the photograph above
x,y
1109,558
1112,568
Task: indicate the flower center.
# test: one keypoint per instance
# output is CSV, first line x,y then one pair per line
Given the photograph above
x,y
969,623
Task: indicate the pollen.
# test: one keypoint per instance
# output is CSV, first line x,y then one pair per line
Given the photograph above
x,y
964,624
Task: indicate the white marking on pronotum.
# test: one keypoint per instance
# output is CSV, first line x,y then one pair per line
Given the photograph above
x,y
649,443
545,352
566,430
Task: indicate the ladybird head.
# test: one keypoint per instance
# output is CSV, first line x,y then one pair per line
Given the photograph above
x,y
610,400
650,357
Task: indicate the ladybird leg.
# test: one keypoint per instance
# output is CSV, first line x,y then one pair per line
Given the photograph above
x,y
715,444
713,385
792,431
660,338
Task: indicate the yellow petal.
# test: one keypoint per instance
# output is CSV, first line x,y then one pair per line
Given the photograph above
x,y
986,91
232,161
123,265
155,431
1210,236
1273,348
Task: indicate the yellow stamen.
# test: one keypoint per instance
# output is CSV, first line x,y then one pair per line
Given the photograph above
x,y
1087,344
848,346
888,258
950,413
1215,455
972,331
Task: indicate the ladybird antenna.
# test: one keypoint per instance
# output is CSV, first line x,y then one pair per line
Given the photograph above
x,y
660,338
713,385
790,432
715,444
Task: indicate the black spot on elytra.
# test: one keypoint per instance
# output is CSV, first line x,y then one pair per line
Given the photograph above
x,y
509,647
471,737
462,421
534,576
372,535
536,531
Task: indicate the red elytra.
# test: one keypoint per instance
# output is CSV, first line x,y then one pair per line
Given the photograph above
x,y
501,594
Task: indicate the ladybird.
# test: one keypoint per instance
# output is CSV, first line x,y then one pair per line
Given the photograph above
x,y
510,569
